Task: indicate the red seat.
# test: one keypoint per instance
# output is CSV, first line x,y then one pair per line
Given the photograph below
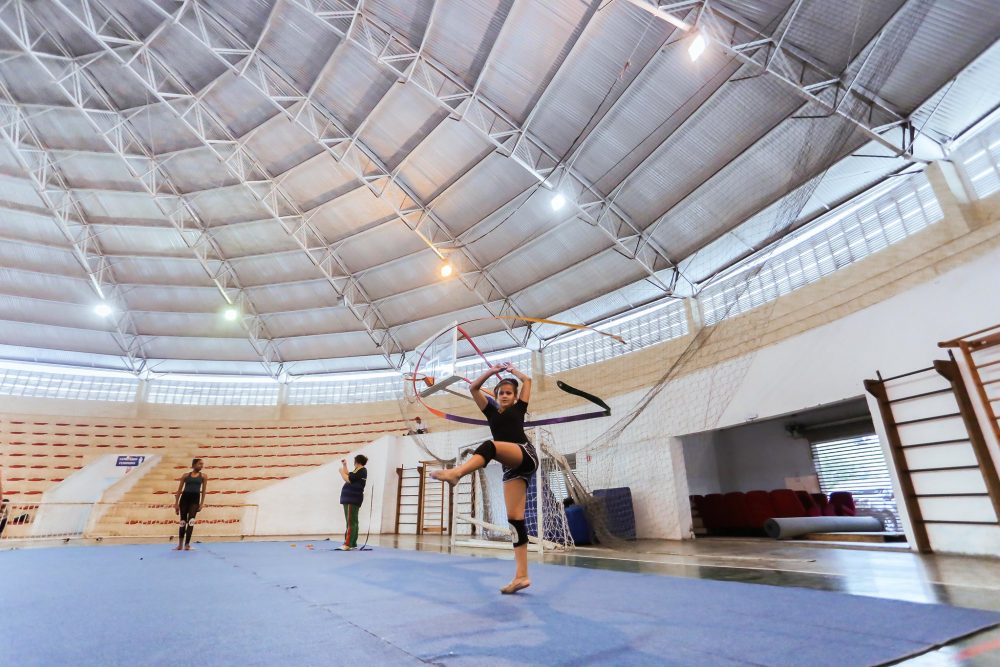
x,y
737,517
786,503
760,508
842,503
823,503
812,509
713,516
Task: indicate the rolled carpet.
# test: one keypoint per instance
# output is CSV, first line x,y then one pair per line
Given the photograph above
x,y
787,527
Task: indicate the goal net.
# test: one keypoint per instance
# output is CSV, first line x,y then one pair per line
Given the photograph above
x,y
480,512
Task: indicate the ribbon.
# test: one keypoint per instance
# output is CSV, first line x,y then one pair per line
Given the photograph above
x,y
604,412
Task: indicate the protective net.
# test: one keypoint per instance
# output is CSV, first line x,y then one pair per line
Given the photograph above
x,y
480,513
682,366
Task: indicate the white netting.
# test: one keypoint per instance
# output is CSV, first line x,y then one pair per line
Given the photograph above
x,y
480,509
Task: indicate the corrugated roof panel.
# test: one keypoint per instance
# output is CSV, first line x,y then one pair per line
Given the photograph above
x,y
236,105
58,312
297,45
946,40
588,279
199,325
780,162
330,345
22,75
196,170
833,34
747,109
400,122
220,207
280,146
23,225
454,149
112,206
760,13
668,90
142,241
410,272
515,227
478,22
351,85
109,172
534,263
619,41
189,58
488,190
407,18
286,267
442,298
190,347
380,245
46,286
253,239
175,298
312,322
160,130
58,338
293,296
524,57
317,181
39,258
65,128
21,193
159,271
960,103
350,213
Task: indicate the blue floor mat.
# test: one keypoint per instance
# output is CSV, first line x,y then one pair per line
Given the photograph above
x,y
270,604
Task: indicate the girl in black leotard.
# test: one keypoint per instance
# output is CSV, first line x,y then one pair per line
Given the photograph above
x,y
510,446
190,498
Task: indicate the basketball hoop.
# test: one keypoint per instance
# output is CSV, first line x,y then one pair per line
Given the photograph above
x,y
418,378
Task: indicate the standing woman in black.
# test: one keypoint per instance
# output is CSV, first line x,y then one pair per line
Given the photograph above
x,y
190,498
510,446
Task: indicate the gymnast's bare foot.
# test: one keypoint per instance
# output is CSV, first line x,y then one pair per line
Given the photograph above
x,y
449,475
187,547
516,584
178,548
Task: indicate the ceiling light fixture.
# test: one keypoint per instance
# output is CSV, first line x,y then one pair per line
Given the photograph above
x,y
558,201
102,309
447,269
230,313
697,47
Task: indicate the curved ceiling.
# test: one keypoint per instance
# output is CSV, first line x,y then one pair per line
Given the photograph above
x,y
313,161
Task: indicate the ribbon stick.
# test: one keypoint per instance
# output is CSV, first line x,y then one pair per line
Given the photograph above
x,y
604,412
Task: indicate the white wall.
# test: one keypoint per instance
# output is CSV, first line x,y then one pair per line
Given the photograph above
x,y
66,507
829,363
761,456
821,366
701,463
309,504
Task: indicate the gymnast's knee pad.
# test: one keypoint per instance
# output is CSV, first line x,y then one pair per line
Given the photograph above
x,y
520,535
191,521
183,523
487,450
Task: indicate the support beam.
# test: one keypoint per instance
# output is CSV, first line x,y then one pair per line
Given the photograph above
x,y
472,107
348,150
78,84
163,83
802,74
68,213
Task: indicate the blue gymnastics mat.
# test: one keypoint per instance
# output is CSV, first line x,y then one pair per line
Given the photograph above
x,y
270,604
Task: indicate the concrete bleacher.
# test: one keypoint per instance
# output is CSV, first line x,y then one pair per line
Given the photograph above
x,y
239,459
